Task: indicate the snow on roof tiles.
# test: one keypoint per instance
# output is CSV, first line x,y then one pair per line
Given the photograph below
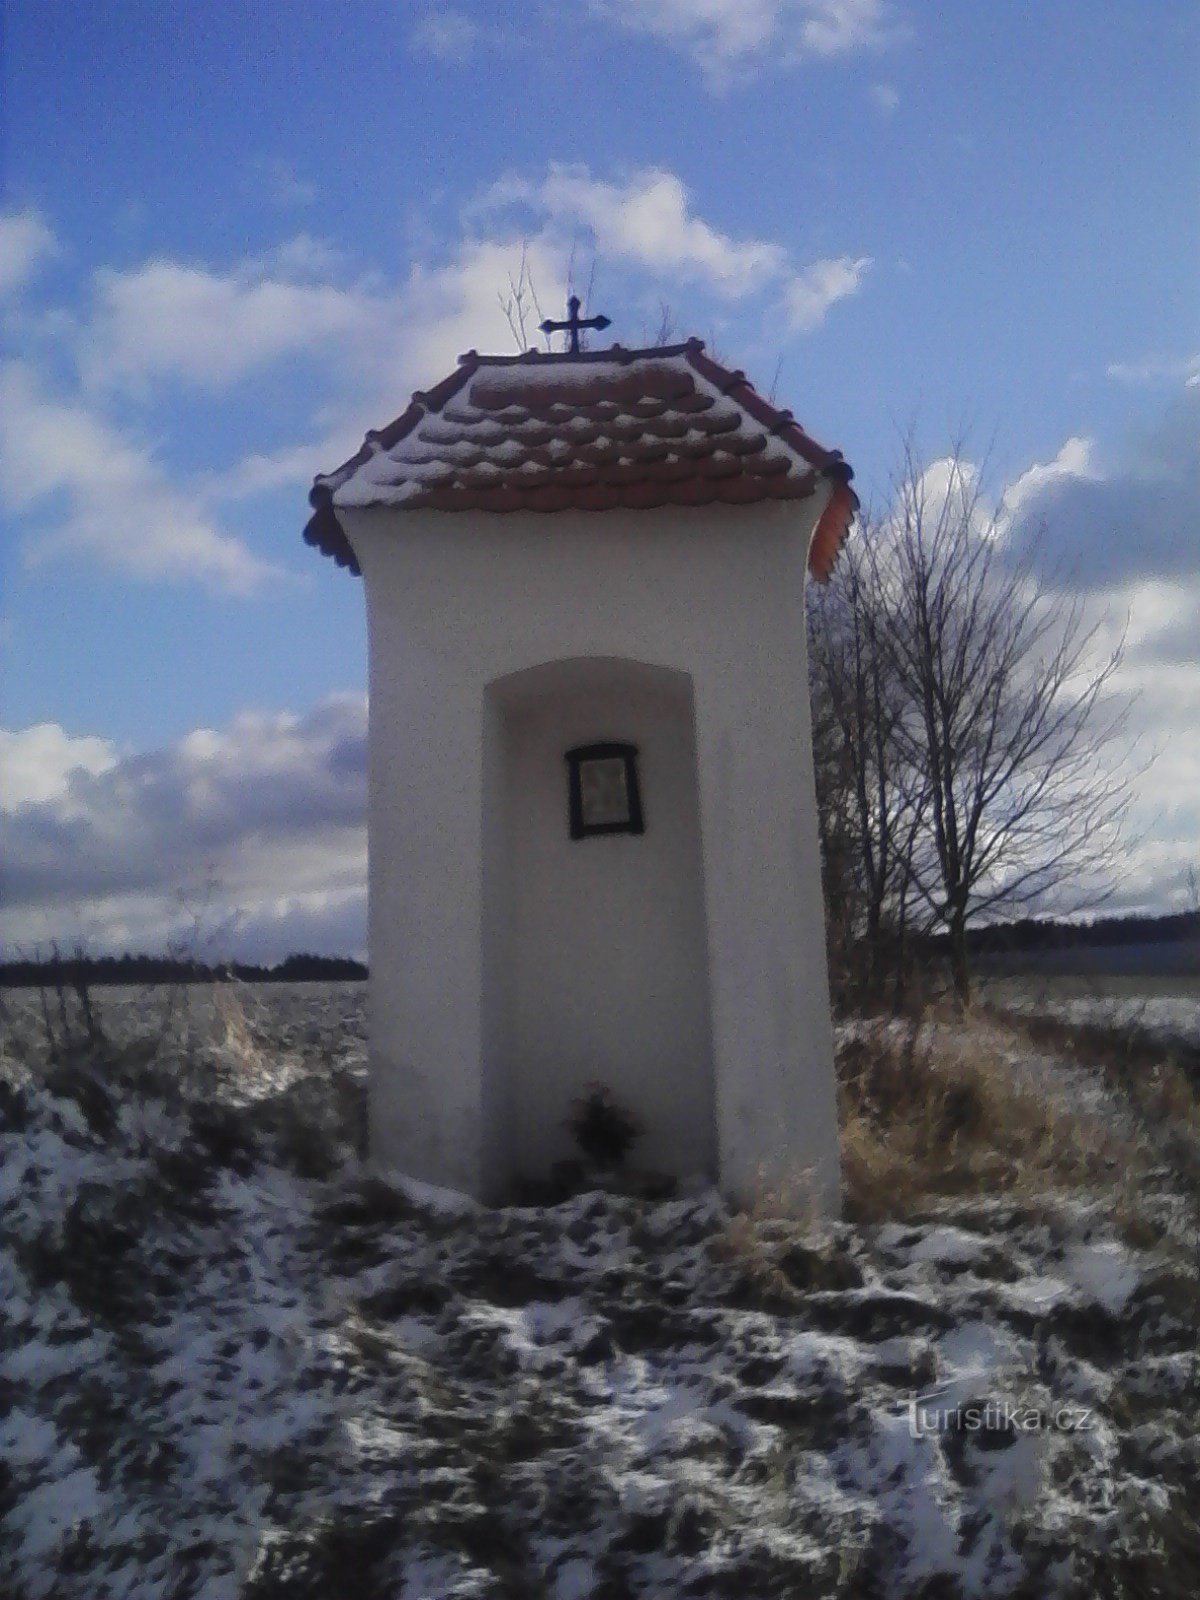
x,y
593,431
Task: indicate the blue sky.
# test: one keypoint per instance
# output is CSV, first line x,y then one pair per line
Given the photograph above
x,y
234,238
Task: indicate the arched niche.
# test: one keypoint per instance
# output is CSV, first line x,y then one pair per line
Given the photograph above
x,y
595,942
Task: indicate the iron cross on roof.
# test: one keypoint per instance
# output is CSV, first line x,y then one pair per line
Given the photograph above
x,y
574,323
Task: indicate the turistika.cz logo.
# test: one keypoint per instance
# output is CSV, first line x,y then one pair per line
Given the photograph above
x,y
931,1413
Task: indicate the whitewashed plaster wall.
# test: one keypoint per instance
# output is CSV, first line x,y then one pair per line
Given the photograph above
x,y
456,602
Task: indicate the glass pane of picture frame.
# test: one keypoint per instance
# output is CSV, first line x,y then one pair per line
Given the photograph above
x,y
603,792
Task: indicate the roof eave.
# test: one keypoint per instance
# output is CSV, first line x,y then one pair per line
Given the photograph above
x,y
832,528
324,532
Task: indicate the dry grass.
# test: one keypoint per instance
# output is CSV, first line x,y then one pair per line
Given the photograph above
x,y
781,1208
783,1245
1157,1082
1160,1080
242,1035
932,1111
946,1109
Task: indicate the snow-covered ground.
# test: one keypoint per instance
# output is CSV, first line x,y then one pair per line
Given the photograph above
x,y
1165,1007
232,1364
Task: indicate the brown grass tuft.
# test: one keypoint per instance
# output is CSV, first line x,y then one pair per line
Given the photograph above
x,y
238,1042
1160,1079
933,1111
782,1214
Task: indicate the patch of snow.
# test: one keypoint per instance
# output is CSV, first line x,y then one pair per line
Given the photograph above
x,y
432,1197
913,1492
575,1579
1039,1292
1104,1273
47,1516
979,1349
812,1355
947,1247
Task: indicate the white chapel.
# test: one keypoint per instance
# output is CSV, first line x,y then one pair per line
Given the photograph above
x,y
592,822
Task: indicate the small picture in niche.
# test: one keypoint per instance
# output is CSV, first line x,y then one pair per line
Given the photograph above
x,y
603,791
604,795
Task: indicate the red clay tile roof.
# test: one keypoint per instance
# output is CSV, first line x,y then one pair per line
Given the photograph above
x,y
595,431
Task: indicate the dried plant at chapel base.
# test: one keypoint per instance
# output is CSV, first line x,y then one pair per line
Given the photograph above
x,y
601,1126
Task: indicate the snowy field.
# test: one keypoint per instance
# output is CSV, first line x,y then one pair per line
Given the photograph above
x,y
1167,1007
233,1366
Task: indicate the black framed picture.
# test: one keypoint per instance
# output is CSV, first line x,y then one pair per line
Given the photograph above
x,y
603,790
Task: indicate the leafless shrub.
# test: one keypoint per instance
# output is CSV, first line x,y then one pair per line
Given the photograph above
x,y
67,1009
238,1042
521,307
666,331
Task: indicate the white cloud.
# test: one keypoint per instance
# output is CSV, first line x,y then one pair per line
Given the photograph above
x,y
409,335
843,27
413,334
1157,369
1120,541
262,472
415,338
165,319
119,505
408,338
1134,514
299,258
1164,824
649,220
886,98
731,39
26,243
444,33
811,293
716,33
1074,460
270,810
36,764
457,306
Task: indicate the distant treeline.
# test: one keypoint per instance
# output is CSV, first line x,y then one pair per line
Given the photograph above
x,y
1034,934
141,968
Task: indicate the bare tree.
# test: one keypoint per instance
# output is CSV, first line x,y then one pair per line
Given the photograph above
x,y
965,720
840,838
871,810
588,288
1007,719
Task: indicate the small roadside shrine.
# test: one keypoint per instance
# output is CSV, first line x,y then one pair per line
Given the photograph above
x,y
592,821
